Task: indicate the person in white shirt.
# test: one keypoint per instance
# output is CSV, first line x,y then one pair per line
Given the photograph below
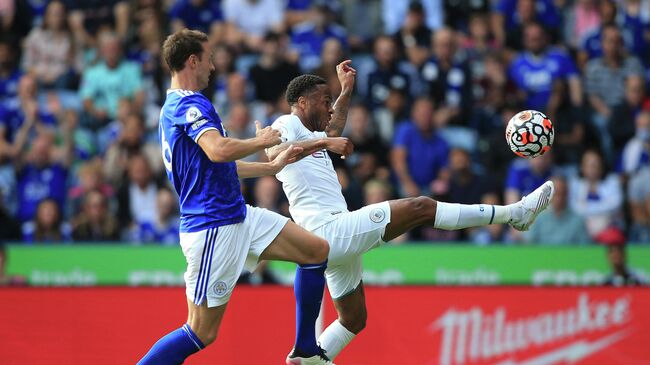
x,y
317,204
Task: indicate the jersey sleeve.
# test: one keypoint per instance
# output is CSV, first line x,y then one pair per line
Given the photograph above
x,y
194,116
288,127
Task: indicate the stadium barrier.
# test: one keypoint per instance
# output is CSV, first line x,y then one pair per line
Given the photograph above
x,y
414,325
64,265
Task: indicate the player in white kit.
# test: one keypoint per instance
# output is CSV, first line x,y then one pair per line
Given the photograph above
x,y
317,204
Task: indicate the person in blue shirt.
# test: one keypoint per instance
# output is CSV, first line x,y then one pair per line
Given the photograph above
x,y
201,15
219,233
535,70
307,38
419,153
505,16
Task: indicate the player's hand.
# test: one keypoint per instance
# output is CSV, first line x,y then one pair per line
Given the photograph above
x,y
269,136
290,155
341,145
346,75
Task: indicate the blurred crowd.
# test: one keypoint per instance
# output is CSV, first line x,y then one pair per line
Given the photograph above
x,y
82,84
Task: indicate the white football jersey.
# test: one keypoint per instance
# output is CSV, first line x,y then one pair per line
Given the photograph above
x,y
311,184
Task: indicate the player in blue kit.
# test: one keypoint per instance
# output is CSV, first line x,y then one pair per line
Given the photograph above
x,y
219,233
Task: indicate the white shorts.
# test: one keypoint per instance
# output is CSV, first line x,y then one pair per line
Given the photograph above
x,y
351,235
216,256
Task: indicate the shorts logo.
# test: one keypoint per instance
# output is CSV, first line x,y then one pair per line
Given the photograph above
x,y
377,215
220,288
193,114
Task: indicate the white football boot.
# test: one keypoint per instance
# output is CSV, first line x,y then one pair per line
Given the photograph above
x,y
531,205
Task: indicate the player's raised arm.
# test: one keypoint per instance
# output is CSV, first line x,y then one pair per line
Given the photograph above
x,y
225,149
346,75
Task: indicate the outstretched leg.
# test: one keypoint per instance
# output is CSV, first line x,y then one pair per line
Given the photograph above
x,y
409,213
352,317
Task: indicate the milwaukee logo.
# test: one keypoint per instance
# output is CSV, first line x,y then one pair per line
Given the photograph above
x,y
472,335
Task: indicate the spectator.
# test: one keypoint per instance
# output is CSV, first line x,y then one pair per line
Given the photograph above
x,y
524,176
362,20
42,173
9,229
239,126
48,225
525,13
247,21
376,191
16,18
582,18
91,177
504,16
448,79
419,154
49,51
596,195
621,124
331,55
6,279
465,186
385,75
87,18
266,193
272,73
307,38
559,225
569,126
137,195
620,274
535,70
590,43
638,191
9,73
605,80
224,63
362,132
203,15
636,154
104,84
458,14
495,154
414,38
95,224
394,14
130,143
164,229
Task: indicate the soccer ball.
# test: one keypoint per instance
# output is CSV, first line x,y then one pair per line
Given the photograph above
x,y
530,134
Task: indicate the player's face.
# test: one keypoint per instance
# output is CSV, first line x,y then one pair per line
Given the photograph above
x,y
319,108
205,66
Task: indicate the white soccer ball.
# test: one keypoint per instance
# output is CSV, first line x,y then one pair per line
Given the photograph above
x,y
530,134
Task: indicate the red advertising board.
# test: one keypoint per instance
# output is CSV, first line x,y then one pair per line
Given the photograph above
x,y
406,325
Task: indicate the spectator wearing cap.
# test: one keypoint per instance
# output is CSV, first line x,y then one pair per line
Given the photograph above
x,y
559,225
307,38
614,239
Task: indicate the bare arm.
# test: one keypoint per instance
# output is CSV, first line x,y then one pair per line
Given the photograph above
x,y
346,75
340,145
575,91
400,166
257,169
224,149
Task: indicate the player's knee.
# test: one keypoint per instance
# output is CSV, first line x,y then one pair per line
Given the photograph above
x,y
424,207
319,252
355,323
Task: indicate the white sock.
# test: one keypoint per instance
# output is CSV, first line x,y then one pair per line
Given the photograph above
x,y
458,216
334,339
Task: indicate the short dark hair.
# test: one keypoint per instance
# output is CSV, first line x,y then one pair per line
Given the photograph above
x,y
178,47
302,85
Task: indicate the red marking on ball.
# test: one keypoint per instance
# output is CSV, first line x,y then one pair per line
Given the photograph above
x,y
524,137
547,124
544,150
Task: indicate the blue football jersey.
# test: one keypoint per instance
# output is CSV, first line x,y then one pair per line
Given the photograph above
x,y
209,192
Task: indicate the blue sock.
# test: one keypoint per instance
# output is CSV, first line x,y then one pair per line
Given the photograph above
x,y
174,348
308,288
